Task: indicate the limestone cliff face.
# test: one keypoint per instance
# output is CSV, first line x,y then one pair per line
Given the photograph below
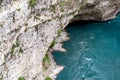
x,y
99,10
29,30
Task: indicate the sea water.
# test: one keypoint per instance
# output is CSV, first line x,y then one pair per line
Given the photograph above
x,y
93,52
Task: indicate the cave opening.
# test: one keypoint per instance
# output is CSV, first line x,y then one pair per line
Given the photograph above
x,y
93,51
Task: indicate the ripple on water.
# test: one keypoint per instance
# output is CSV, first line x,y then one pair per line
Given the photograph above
x,y
93,52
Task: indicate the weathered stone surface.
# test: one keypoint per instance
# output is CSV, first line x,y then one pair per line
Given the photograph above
x,y
99,10
27,32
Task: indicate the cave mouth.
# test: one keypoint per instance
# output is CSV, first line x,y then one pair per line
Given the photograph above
x,y
93,51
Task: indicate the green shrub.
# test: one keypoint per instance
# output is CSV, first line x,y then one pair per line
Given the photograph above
x,y
17,43
21,50
48,78
1,78
21,78
32,3
1,2
18,9
0,43
59,32
52,44
13,49
46,58
62,3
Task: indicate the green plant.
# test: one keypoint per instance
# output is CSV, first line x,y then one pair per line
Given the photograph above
x,y
1,78
46,58
52,7
3,64
43,9
48,78
62,3
59,32
0,43
52,44
21,50
36,27
68,0
46,61
36,18
25,30
32,3
21,78
18,9
13,49
1,2
17,43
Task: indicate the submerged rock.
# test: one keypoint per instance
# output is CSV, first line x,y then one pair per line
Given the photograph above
x,y
29,28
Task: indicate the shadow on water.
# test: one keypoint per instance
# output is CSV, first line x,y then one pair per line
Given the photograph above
x,y
93,51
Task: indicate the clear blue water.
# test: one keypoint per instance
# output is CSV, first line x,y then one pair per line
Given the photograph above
x,y
93,52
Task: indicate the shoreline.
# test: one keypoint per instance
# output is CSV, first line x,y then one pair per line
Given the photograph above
x,y
54,69
59,45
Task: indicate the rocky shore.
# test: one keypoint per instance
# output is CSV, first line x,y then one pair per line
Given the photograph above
x,y
31,29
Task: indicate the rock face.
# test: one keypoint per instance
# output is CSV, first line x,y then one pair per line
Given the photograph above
x,y
29,30
99,10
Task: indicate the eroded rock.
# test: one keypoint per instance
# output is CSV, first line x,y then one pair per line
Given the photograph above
x,y
28,29
99,10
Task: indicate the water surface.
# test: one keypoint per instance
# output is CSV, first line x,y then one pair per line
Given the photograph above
x,y
93,52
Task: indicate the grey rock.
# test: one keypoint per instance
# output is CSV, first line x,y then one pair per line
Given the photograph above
x,y
27,32
98,10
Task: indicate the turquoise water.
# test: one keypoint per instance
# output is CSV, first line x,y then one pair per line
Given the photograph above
x,y
93,52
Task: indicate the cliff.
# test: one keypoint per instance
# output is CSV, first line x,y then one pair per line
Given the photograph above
x,y
98,10
31,29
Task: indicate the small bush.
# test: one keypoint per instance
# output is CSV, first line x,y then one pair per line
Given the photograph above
x,y
32,3
1,2
52,44
46,58
13,49
21,50
21,78
48,78
1,79
59,32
